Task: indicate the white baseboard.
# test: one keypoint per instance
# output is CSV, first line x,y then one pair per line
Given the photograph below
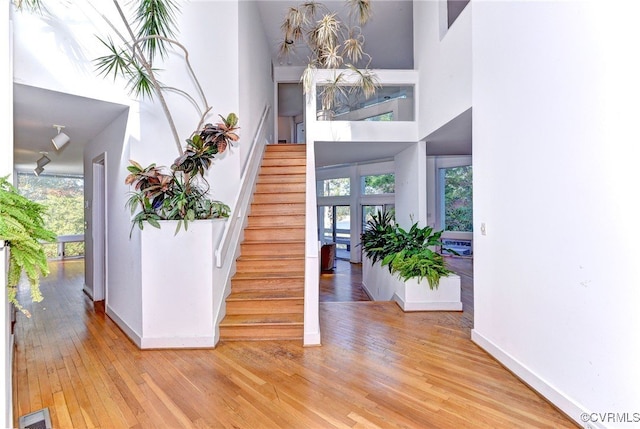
x,y
311,339
427,305
133,335
178,343
565,404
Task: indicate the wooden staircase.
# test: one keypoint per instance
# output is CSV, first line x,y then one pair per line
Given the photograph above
x,y
267,291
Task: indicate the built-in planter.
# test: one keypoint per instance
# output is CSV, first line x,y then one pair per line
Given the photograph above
x,y
177,284
410,295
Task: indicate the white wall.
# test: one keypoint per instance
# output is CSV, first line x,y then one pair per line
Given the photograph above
x,y
6,167
443,65
411,185
555,151
256,85
147,139
123,253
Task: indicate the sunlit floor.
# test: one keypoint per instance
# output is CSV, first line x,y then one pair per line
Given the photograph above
x,y
344,282
377,368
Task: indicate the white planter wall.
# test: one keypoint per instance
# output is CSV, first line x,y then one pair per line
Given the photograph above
x,y
177,285
410,295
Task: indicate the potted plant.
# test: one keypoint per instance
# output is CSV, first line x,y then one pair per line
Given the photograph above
x,y
333,44
182,194
22,229
178,194
411,257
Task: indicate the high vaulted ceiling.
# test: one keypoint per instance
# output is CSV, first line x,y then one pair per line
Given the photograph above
x,y
388,34
389,40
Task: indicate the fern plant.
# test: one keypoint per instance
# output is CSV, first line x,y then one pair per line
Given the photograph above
x,y
22,228
408,253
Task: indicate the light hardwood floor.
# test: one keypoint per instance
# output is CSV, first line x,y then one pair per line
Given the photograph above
x,y
377,368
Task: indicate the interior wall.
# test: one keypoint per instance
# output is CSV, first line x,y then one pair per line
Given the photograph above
x,y
555,150
122,252
443,64
255,84
147,137
6,168
411,185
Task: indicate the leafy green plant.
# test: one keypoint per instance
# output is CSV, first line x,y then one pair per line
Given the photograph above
x,y
181,194
22,228
408,253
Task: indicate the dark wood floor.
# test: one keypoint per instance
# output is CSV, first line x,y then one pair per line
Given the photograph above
x,y
377,368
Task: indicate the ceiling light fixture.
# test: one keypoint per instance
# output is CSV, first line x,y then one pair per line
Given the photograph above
x,y
40,163
61,139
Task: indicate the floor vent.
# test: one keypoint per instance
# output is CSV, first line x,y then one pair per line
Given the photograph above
x,y
37,420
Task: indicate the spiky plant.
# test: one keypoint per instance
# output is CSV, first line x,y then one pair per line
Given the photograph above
x,y
333,44
22,228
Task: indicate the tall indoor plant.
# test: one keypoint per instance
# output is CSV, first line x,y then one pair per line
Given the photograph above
x,y
182,193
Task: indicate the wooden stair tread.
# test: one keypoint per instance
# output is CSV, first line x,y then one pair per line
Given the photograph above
x,y
286,257
291,319
267,295
262,275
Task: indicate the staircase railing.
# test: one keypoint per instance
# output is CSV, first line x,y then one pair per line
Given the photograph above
x,y
249,171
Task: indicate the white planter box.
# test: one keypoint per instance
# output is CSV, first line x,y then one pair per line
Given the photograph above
x,y
177,284
411,295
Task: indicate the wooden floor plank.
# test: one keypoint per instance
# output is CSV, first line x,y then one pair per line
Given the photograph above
x,y
377,368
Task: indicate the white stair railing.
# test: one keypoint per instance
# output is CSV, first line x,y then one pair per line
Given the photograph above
x,y
249,172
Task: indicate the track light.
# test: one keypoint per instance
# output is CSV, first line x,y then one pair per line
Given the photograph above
x,y
44,160
61,139
40,163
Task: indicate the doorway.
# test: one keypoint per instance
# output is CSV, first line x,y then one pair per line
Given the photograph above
x,y
98,230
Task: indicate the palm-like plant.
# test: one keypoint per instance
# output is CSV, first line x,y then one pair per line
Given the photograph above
x,y
182,193
333,45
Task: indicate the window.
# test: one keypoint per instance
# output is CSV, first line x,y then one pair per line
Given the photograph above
x,y
64,198
335,227
457,194
334,187
369,210
381,117
378,184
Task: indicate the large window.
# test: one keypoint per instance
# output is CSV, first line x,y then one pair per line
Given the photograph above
x,y
64,198
334,187
378,184
458,198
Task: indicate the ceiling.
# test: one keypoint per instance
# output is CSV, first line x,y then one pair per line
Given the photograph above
x,y
36,110
388,34
389,40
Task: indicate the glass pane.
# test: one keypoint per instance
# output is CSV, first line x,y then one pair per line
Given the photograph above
x,y
346,103
378,184
64,198
381,117
458,199
343,232
334,187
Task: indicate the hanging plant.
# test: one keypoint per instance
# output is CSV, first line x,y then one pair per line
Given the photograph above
x,y
22,229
